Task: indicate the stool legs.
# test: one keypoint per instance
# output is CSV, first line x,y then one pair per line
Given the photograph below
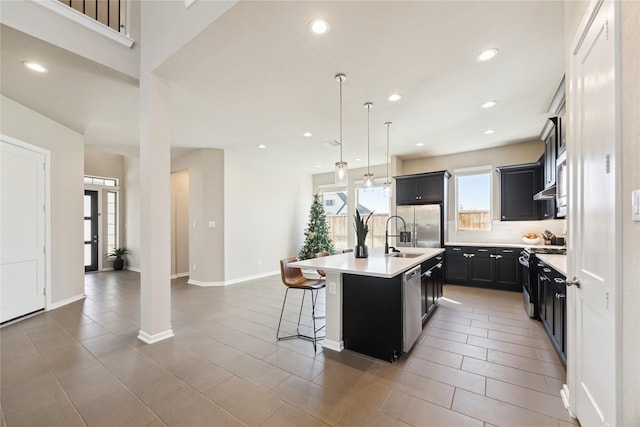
x,y
315,337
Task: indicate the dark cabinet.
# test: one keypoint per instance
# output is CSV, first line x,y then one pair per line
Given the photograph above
x,y
431,282
421,188
552,306
375,328
507,268
490,267
518,184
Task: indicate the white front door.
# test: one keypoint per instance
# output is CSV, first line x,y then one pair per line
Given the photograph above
x,y
594,236
22,230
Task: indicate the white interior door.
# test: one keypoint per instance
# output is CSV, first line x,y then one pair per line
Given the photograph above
x,y
594,222
22,218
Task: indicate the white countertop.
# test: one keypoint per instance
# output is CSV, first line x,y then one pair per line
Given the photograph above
x,y
377,265
557,262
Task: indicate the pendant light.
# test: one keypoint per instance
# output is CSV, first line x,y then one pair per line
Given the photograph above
x,y
387,190
368,177
341,167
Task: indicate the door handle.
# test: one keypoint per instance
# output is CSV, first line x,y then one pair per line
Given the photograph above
x,y
95,239
574,282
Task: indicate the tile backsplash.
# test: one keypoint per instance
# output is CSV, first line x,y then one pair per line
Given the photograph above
x,y
506,231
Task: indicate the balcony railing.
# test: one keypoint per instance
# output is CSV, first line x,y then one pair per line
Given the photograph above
x,y
111,13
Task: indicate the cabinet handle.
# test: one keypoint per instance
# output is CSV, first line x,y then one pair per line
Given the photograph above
x,y
438,258
543,278
560,296
496,256
427,273
546,270
559,280
507,251
470,255
483,250
439,265
457,249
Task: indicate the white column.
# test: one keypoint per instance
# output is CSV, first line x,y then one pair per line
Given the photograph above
x,y
155,210
333,329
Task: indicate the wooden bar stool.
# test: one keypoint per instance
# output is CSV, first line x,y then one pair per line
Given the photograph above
x,y
322,273
293,278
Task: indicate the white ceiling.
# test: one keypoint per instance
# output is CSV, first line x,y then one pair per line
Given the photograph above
x,y
258,76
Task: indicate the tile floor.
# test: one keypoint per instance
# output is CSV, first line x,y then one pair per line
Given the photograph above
x,y
480,361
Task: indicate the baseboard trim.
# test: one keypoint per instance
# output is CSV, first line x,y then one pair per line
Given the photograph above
x,y
232,281
333,345
176,276
136,269
151,339
62,303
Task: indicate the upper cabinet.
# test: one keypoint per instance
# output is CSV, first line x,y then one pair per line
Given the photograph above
x,y
421,189
518,184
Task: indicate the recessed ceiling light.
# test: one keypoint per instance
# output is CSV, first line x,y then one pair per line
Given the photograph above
x,y
307,134
319,26
317,166
394,97
419,144
357,159
34,66
489,104
487,55
262,146
489,131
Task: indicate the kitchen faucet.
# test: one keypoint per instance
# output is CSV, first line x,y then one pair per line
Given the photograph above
x,y
405,236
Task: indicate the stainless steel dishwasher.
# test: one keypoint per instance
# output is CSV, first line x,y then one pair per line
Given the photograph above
x,y
411,309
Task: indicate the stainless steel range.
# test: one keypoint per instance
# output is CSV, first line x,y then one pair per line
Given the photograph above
x,y
528,275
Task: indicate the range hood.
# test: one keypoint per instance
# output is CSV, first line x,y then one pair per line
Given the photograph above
x,y
546,194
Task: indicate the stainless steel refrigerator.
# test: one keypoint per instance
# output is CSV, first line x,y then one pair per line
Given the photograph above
x,y
425,222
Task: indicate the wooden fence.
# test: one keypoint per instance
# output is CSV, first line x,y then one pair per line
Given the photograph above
x,y
474,220
338,230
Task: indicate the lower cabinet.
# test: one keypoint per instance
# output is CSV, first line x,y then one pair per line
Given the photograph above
x,y
372,315
490,267
552,306
431,283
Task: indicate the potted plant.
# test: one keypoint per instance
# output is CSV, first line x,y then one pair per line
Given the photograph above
x,y
116,254
362,228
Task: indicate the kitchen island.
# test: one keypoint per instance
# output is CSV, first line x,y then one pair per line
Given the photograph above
x,y
373,293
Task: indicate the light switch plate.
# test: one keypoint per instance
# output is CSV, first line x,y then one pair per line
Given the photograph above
x,y
635,205
332,287
212,224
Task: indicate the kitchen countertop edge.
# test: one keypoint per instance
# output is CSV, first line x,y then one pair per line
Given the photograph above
x,y
376,265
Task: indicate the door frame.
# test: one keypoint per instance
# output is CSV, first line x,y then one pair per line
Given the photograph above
x,y
569,390
47,207
98,229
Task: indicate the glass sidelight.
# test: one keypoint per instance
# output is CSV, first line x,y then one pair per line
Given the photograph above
x,y
90,230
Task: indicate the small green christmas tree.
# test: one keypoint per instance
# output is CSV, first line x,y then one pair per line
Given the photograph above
x,y
317,233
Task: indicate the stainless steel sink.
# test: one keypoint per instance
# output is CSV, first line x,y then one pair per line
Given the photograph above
x,y
404,255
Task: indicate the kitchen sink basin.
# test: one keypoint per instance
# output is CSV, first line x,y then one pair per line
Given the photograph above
x,y
404,255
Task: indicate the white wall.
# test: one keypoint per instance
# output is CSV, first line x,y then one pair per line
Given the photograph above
x,y
180,223
169,25
206,203
630,91
266,209
67,192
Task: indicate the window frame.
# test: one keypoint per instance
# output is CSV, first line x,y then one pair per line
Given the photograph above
x,y
478,170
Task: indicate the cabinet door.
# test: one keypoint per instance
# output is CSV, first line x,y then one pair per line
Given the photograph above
x,y
548,298
507,269
457,267
407,191
439,278
560,317
517,187
430,189
481,266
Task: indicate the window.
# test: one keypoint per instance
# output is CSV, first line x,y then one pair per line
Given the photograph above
x,y
473,198
105,182
374,201
335,206
112,221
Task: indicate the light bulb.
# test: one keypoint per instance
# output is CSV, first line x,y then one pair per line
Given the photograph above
x,y
387,190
